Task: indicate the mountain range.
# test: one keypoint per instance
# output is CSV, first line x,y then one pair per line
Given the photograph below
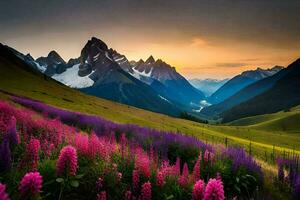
x,y
278,92
156,86
240,81
208,86
238,88
103,72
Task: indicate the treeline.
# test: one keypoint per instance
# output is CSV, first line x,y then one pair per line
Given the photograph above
x,y
185,115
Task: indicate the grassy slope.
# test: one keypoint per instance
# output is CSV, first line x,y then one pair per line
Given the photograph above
x,y
21,82
276,122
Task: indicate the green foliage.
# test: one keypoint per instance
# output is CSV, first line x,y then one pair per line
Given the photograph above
x,y
188,155
185,115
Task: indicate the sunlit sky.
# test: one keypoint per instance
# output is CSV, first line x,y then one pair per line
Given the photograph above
x,y
201,38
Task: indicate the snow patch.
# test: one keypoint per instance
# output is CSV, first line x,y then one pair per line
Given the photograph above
x,y
119,59
41,68
70,78
143,73
107,56
163,98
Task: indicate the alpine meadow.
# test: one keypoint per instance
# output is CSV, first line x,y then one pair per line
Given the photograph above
x,y
149,100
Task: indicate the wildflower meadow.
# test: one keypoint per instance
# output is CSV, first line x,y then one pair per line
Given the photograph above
x,y
50,153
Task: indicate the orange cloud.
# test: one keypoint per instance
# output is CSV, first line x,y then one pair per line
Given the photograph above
x,y
198,42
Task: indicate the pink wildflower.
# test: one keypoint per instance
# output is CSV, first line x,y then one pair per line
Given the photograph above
x,y
128,195
160,179
198,190
94,145
135,179
196,171
119,176
82,143
146,191
31,184
214,190
47,148
142,163
67,161
99,183
3,194
177,167
123,144
183,179
101,196
32,154
206,155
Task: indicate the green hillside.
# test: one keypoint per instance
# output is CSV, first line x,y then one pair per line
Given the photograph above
x,y
17,78
281,121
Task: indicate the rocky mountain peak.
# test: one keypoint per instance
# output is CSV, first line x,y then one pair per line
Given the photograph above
x,y
150,60
54,56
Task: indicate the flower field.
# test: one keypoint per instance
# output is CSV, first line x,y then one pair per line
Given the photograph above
x,y
49,153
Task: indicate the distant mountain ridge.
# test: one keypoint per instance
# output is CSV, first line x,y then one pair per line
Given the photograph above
x,y
245,93
282,93
241,81
208,86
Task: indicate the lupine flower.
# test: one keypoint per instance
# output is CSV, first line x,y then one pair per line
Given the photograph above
x,y
135,179
160,179
47,148
94,145
67,161
123,144
206,155
296,188
5,156
101,196
146,191
184,178
198,190
3,194
196,171
127,195
31,184
214,190
82,143
142,163
280,173
177,167
12,134
32,154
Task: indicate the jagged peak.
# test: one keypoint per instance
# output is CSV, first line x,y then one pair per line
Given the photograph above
x,y
53,53
150,60
55,56
97,42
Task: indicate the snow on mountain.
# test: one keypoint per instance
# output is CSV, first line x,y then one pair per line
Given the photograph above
x,y
70,78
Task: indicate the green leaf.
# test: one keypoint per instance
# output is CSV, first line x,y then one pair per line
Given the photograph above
x,y
74,183
237,188
59,180
79,176
245,186
170,197
49,182
237,179
252,177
